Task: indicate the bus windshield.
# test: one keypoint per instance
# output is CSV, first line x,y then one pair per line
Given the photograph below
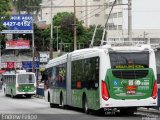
x,y
123,60
26,78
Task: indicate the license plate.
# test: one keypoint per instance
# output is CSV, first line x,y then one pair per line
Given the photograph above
x,y
131,89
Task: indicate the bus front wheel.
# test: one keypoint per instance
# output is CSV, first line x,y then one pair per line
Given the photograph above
x,y
5,92
85,105
48,97
12,96
61,101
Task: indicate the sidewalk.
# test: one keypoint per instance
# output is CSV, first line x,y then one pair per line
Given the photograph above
x,y
151,110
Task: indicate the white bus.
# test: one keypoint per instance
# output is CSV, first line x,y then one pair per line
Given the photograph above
x,y
104,78
19,83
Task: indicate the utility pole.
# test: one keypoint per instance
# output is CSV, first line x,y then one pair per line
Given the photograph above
x,y
130,20
41,13
75,27
86,13
57,37
51,40
33,49
144,36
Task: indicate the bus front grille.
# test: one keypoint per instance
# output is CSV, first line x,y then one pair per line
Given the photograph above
x,y
130,74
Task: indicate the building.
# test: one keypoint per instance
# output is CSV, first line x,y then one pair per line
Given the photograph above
x,y
89,11
95,12
144,25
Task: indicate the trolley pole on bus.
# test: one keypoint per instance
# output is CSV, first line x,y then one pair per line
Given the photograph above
x,y
130,20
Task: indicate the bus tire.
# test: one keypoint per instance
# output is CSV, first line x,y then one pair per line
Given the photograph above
x,y
48,97
5,92
85,105
61,101
12,96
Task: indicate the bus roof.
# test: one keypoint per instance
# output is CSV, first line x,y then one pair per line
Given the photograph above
x,y
63,58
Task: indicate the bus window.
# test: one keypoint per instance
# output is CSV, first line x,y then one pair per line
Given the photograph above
x,y
26,78
121,60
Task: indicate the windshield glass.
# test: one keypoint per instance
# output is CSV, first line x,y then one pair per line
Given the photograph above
x,y
26,78
121,60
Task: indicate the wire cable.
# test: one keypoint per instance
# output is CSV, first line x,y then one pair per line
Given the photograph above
x,y
92,15
89,13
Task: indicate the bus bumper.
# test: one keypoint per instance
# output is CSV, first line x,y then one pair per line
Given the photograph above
x,y
149,102
26,93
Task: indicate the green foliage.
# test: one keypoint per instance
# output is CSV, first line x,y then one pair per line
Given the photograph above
x,y
64,22
5,8
27,5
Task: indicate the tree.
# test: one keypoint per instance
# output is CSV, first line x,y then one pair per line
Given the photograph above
x,y
25,5
64,22
66,31
5,8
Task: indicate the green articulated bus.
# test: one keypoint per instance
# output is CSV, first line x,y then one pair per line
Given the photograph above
x,y
104,78
19,83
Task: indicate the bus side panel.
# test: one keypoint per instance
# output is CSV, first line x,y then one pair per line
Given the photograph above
x,y
77,97
11,87
85,82
93,99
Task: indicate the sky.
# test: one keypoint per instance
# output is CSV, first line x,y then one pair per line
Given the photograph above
x,y
145,14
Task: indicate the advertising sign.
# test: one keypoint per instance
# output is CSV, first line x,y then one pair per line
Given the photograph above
x,y
2,71
18,44
10,65
3,65
44,57
28,64
18,24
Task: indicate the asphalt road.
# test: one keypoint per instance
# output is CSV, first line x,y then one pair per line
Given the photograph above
x,y
38,109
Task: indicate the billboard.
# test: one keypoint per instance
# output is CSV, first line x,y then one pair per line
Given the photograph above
x,y
18,24
18,44
28,64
